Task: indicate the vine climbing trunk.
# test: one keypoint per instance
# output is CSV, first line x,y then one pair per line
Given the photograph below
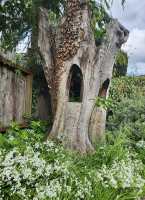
x,y
71,46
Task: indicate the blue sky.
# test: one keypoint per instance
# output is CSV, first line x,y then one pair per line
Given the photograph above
x,y
133,18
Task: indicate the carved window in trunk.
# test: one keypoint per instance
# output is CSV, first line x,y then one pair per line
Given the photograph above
x,y
75,84
104,88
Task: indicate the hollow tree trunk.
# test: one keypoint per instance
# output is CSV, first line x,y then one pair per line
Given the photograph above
x,y
69,44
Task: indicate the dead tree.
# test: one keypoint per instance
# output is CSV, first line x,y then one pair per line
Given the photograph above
x,y
71,59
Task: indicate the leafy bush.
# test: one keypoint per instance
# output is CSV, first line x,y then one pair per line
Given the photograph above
x,y
127,87
39,126
128,111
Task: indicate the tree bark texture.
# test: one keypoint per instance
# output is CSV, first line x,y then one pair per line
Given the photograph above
x,y
72,43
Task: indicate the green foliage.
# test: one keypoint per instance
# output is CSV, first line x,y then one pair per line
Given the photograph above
x,y
1,124
14,125
53,18
100,18
34,100
129,115
18,18
18,71
18,137
103,102
74,99
19,57
37,125
121,64
127,112
126,87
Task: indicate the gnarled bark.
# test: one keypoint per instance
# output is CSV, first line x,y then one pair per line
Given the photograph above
x,y
72,44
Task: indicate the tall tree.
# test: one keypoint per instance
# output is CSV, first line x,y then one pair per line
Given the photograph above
x,y
67,51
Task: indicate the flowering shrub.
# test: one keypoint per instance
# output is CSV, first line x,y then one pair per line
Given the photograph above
x,y
122,174
40,171
35,170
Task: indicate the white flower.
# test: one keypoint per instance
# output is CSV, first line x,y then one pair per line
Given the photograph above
x,y
113,183
22,191
141,143
11,138
27,172
35,198
37,145
56,150
68,189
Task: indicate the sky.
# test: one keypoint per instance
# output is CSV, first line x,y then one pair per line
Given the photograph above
x,y
133,18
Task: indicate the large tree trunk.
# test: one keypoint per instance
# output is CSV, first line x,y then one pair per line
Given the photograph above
x,y
71,46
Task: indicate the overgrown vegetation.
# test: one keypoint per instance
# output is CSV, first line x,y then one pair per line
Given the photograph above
x,y
128,111
128,87
121,64
33,169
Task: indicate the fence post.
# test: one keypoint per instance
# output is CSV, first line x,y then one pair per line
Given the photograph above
x,y
28,100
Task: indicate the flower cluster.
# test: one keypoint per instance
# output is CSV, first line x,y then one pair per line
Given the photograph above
x,y
29,175
123,173
42,170
141,144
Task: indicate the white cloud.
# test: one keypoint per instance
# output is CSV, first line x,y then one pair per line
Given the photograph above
x,y
135,47
137,68
133,14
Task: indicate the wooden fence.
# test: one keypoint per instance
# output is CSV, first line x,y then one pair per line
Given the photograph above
x,y
15,93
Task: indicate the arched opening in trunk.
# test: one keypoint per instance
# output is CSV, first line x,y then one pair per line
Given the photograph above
x,y
104,88
75,84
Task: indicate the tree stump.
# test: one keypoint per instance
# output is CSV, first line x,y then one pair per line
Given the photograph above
x,y
71,60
